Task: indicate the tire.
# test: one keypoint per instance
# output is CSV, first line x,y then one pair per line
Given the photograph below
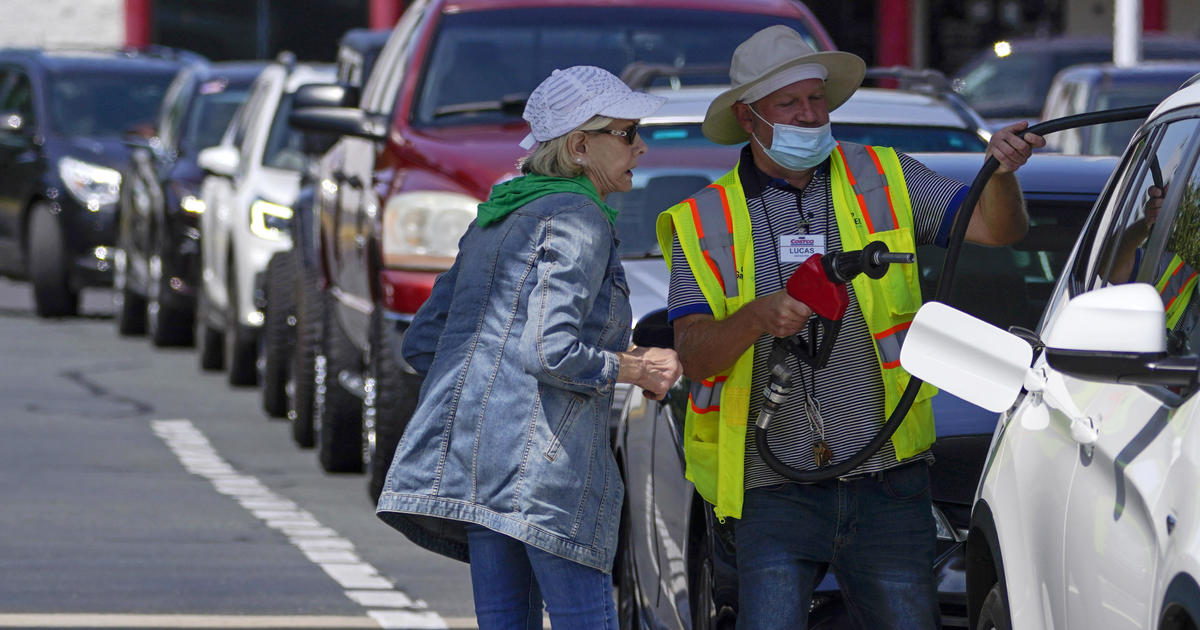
x,y
338,412
131,312
241,344
210,342
53,295
278,334
993,614
166,325
390,400
130,307
309,315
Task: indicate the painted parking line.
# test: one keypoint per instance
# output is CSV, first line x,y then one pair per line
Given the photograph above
x,y
387,606
223,622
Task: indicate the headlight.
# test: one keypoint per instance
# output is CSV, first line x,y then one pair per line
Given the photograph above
x,y
192,204
421,229
270,220
92,185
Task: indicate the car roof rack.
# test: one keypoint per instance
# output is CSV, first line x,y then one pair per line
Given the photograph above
x,y
930,81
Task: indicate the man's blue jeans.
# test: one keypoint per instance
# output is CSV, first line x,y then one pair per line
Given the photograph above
x,y
510,579
876,533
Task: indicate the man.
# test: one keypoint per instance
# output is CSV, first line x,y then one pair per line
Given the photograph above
x,y
729,265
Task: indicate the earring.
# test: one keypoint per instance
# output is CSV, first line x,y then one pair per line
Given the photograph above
x,y
579,160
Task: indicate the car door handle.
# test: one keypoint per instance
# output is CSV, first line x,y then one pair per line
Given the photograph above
x,y
360,241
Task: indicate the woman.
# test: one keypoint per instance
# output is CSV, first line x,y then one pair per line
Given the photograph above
x,y
506,461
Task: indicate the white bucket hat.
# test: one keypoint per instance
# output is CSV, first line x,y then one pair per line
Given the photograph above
x,y
568,98
778,54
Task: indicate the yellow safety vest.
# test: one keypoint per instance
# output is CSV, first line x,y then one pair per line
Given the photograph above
x,y
1176,285
871,203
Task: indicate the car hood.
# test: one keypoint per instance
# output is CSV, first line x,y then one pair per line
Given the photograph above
x,y
110,152
476,157
279,186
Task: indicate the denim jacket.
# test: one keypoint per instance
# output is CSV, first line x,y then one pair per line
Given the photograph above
x,y
517,343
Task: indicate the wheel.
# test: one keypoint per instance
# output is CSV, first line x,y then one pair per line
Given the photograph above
x,y
166,325
129,306
53,295
278,334
241,343
391,398
302,380
210,342
993,614
338,412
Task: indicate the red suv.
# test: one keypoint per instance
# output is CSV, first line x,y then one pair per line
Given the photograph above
x,y
439,123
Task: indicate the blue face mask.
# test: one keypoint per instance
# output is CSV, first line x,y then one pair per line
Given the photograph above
x,y
797,148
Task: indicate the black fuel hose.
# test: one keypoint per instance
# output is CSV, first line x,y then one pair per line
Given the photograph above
x,y
942,294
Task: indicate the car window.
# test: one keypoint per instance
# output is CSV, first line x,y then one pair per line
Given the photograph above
x,y
214,105
284,147
1175,275
258,95
483,63
1120,253
173,106
19,98
90,104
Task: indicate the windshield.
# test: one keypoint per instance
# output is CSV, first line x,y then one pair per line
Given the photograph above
x,y
100,104
485,63
1016,85
1112,138
211,112
285,148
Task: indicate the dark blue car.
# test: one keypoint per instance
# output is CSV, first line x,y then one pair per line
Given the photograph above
x,y
64,120
157,263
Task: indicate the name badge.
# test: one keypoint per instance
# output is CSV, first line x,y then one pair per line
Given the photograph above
x,y
796,248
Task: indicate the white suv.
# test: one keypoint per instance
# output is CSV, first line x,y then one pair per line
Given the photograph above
x,y
253,180
1087,514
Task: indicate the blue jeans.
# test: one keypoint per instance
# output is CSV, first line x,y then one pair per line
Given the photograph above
x,y
510,579
876,533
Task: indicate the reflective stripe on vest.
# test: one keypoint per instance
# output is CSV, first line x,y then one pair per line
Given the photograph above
x,y
1177,281
714,225
869,182
889,342
865,174
705,395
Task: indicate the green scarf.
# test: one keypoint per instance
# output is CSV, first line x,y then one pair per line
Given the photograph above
x,y
519,191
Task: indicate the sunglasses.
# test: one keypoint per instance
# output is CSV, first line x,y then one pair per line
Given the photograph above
x,y
629,133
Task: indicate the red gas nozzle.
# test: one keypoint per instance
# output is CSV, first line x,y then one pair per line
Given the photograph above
x,y
811,284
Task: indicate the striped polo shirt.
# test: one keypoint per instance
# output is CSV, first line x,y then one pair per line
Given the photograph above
x,y
849,389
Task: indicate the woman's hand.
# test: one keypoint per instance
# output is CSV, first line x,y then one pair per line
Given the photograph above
x,y
654,370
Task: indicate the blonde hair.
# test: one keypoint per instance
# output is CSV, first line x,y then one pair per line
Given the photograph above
x,y
553,157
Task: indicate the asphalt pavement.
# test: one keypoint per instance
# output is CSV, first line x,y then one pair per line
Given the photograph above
x,y
138,491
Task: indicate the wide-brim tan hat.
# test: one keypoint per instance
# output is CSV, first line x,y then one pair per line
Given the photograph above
x,y
767,54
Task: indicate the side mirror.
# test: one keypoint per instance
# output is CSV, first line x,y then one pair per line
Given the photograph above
x,y
219,160
324,95
343,121
654,331
1117,335
1110,335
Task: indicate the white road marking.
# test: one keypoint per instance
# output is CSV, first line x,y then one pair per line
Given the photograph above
x,y
376,619
387,606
